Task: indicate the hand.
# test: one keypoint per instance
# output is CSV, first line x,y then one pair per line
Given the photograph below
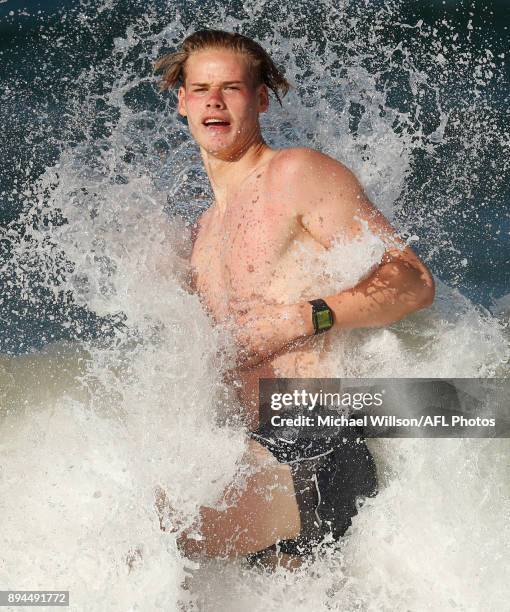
x,y
261,330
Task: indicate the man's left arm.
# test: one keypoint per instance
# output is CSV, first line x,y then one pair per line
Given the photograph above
x,y
331,204
399,285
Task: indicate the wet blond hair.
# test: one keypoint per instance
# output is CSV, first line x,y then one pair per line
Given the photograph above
x,y
172,65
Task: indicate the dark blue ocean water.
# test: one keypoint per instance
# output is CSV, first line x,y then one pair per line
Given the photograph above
x,y
45,46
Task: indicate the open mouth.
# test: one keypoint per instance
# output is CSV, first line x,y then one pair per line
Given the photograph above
x,y
216,124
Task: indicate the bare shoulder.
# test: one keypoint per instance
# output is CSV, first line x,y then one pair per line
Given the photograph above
x,y
300,167
306,177
305,159
325,196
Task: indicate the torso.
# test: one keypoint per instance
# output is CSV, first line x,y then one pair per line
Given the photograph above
x,y
258,251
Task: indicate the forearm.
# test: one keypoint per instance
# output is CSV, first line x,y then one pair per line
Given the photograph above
x,y
394,290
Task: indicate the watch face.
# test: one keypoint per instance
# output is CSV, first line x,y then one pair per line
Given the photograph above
x,y
324,319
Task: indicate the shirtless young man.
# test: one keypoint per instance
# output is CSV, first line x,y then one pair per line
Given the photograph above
x,y
247,268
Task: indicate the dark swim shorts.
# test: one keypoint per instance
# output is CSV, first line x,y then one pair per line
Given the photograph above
x,y
332,470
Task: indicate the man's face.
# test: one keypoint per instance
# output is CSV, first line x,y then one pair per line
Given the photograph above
x,y
219,85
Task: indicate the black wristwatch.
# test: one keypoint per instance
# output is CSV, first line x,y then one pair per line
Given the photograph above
x,y
322,316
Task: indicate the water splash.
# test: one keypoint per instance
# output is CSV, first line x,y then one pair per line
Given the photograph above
x,y
93,426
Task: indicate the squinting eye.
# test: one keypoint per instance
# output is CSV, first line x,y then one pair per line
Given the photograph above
x,y
231,87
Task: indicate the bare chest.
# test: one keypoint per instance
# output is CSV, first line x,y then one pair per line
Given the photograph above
x,y
251,252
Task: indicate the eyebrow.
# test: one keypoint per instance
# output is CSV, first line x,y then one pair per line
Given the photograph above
x,y
224,83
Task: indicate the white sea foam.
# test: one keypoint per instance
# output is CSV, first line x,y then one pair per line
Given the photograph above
x,y
90,428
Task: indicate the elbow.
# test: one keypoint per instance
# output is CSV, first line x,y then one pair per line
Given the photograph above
x,y
428,292
416,284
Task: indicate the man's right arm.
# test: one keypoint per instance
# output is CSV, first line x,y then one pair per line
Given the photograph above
x,y
191,277
195,229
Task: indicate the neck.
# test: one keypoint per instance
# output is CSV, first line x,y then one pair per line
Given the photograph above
x,y
226,175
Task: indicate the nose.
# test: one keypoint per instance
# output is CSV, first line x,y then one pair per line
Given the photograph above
x,y
215,99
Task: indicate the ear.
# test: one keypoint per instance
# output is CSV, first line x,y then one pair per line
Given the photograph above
x,y
181,106
263,98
